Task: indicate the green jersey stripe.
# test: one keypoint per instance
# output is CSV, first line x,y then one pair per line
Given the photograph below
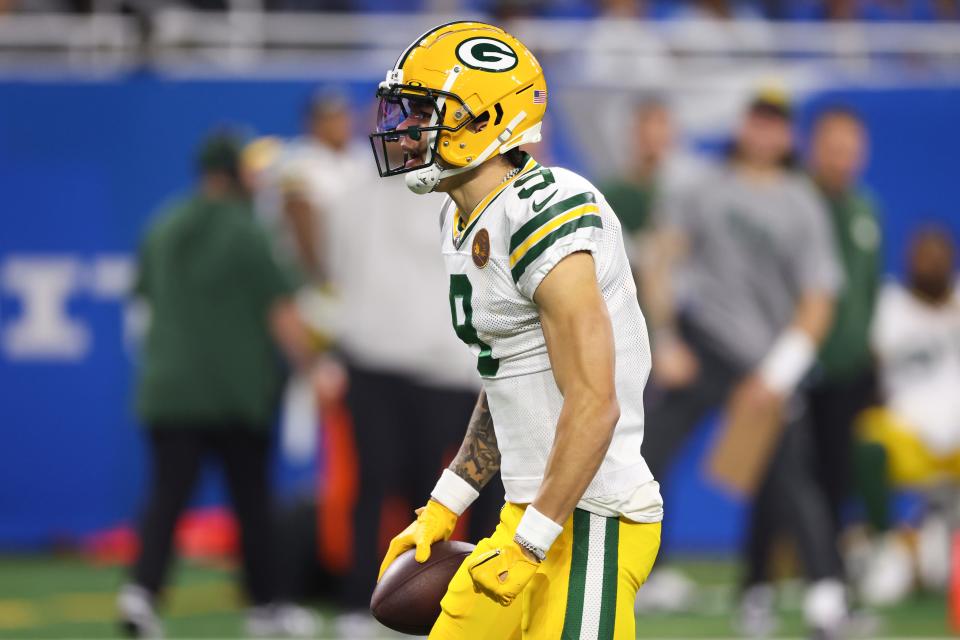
x,y
611,566
580,551
546,215
534,252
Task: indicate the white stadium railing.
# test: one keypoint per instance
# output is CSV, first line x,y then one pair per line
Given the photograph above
x,y
596,68
251,38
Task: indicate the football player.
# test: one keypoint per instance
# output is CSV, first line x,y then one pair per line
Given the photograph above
x,y
541,291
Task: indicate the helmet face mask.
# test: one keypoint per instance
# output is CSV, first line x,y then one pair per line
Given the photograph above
x,y
403,105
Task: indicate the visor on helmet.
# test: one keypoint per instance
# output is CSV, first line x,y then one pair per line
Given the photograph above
x,y
416,113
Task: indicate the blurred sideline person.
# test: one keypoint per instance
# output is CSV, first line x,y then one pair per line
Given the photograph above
x,y
313,175
844,381
915,435
760,271
657,172
541,292
209,382
411,385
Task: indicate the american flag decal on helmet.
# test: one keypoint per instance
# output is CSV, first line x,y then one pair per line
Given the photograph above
x,y
539,97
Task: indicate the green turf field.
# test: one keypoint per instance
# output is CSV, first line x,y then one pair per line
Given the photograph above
x,y
68,597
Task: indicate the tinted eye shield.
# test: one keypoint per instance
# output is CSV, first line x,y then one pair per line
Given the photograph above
x,y
397,103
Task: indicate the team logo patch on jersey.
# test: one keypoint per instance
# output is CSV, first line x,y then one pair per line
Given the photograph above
x,y
481,248
487,54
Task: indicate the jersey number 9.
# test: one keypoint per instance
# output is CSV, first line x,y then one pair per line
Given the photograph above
x,y
461,290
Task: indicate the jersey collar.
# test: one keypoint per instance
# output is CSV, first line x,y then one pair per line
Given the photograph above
x,y
462,228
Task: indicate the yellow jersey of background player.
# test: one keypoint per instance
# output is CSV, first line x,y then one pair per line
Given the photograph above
x,y
541,291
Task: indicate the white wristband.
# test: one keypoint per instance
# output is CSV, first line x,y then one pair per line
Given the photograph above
x,y
538,529
788,361
454,492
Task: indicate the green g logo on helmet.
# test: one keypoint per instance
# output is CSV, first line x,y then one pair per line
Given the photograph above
x,y
487,54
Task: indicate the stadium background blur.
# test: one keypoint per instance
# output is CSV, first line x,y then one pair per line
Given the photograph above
x,y
102,104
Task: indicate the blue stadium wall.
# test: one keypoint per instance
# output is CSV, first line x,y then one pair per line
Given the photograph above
x,y
83,164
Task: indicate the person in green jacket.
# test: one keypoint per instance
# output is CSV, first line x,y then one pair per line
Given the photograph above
x,y
844,383
210,381
659,168
659,172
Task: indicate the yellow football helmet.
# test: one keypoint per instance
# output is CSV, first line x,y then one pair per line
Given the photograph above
x,y
459,72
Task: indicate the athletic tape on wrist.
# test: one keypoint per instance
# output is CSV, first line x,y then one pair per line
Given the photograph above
x,y
788,361
538,529
454,492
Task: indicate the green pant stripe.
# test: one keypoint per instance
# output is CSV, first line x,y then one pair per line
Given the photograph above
x,y
578,575
534,252
611,565
545,216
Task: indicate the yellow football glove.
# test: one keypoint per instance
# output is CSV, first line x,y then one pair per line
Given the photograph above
x,y
434,523
501,574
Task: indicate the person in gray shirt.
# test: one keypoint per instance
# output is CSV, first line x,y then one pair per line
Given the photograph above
x,y
757,248
744,278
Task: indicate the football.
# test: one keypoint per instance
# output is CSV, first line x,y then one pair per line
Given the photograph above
x,y
407,598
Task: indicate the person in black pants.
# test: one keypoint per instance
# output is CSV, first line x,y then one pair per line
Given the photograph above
x,y
411,386
845,383
788,498
754,248
178,452
209,383
404,435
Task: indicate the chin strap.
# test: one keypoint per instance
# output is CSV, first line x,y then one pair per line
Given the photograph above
x,y
425,179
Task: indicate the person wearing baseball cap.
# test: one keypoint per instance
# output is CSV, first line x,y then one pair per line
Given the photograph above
x,y
209,382
760,274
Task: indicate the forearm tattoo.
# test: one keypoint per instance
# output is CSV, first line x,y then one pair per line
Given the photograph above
x,y
479,458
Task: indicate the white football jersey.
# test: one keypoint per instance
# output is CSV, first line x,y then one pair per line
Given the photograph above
x,y
496,259
918,349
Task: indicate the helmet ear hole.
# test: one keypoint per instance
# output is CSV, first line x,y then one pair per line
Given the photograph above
x,y
480,123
